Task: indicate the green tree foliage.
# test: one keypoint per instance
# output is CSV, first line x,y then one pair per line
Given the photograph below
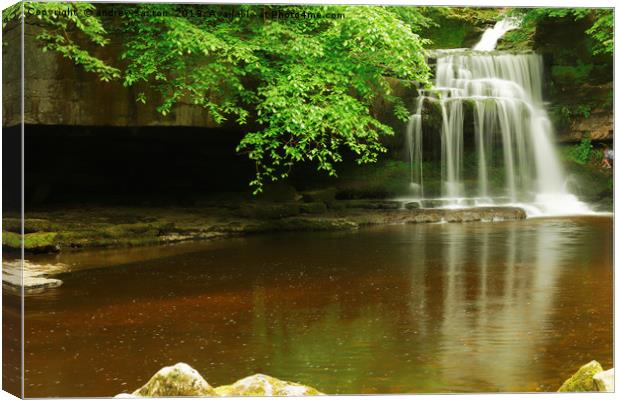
x,y
307,84
601,30
11,13
452,27
63,22
310,81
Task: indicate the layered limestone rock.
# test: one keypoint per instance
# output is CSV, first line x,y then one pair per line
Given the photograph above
x,y
128,227
598,126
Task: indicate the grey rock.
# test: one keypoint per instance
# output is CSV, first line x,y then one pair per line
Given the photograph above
x,y
265,385
604,381
177,380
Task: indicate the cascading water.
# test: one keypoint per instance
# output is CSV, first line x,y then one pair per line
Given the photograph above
x,y
489,38
502,92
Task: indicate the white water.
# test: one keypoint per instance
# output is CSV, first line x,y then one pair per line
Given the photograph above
x,y
491,36
502,92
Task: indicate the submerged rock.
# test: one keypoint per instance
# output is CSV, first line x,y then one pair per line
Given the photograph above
x,y
30,225
582,380
604,381
265,385
177,380
34,277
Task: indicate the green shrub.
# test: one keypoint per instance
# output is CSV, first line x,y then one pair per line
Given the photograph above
x,y
567,74
582,152
584,110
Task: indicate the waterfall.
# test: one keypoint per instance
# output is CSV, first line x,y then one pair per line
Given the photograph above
x,y
502,93
414,145
491,36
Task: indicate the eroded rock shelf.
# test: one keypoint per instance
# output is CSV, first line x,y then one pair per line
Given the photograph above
x,y
77,228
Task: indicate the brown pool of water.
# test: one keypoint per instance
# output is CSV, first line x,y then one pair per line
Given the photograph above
x,y
476,307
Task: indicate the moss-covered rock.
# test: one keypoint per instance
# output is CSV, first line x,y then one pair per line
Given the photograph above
x,y
368,204
147,229
35,242
314,224
31,225
264,385
326,196
130,227
313,208
260,210
582,380
183,380
279,192
459,27
11,240
40,241
177,380
110,235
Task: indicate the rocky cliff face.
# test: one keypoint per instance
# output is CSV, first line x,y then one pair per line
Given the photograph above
x,y
57,92
579,83
598,126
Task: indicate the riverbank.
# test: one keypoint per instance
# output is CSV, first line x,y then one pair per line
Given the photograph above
x,y
79,227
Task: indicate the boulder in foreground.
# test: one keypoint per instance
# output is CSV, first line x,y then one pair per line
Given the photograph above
x,y
183,380
582,380
604,381
264,385
178,380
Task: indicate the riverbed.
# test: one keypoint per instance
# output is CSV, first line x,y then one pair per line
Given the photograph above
x,y
411,308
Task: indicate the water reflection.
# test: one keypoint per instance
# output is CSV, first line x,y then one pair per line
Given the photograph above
x,y
494,315
512,306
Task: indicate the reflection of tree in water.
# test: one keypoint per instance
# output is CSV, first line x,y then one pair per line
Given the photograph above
x,y
357,352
